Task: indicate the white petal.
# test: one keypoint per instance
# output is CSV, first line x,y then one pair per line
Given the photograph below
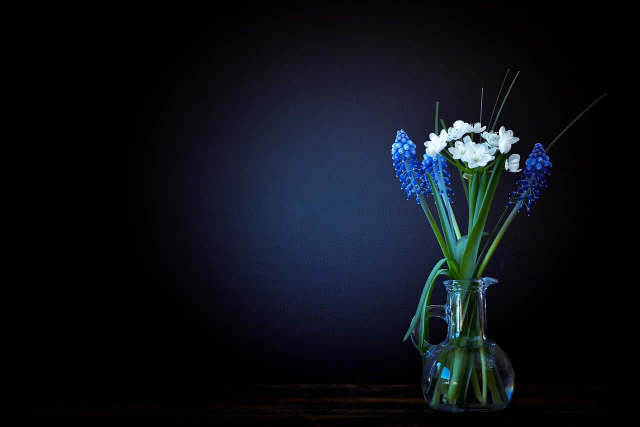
x,y
469,146
504,146
454,152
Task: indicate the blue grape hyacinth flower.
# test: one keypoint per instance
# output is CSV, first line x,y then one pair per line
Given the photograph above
x,y
436,166
408,169
533,179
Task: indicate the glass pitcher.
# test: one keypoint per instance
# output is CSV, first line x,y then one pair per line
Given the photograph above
x,y
467,371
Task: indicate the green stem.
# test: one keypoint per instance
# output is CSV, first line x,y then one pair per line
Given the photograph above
x,y
458,368
453,161
473,192
475,383
443,125
482,189
469,257
464,186
432,221
447,229
445,199
493,232
496,395
436,391
449,365
455,224
496,241
434,226
469,372
483,367
502,392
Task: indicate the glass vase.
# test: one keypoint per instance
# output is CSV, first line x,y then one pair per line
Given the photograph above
x,y
467,371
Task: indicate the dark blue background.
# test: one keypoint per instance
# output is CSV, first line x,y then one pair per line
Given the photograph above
x,y
260,233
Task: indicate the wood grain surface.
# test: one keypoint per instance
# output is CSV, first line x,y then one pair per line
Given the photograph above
x,y
330,404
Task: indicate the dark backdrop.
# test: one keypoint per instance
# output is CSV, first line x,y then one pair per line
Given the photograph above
x,y
260,235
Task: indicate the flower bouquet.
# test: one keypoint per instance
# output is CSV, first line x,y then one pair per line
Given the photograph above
x,y
467,371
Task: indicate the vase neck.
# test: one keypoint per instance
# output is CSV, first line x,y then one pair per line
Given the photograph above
x,y
466,310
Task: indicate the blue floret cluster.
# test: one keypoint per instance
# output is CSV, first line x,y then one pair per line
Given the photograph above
x,y
430,164
412,173
533,179
405,161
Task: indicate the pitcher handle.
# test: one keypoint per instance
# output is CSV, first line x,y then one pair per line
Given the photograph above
x,y
433,311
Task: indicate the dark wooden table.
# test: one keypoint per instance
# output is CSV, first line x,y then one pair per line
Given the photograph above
x,y
331,404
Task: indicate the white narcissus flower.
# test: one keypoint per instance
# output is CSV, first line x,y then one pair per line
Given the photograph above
x,y
476,128
477,156
491,150
460,148
512,163
492,138
436,143
506,139
452,134
458,130
457,151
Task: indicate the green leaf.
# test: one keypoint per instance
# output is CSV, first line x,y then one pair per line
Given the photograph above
x,y
481,266
473,192
473,243
423,330
454,267
442,214
460,247
481,192
464,185
426,290
434,226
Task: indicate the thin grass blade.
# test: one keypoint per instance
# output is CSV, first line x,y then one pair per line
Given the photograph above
x,y
503,101
498,97
574,120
